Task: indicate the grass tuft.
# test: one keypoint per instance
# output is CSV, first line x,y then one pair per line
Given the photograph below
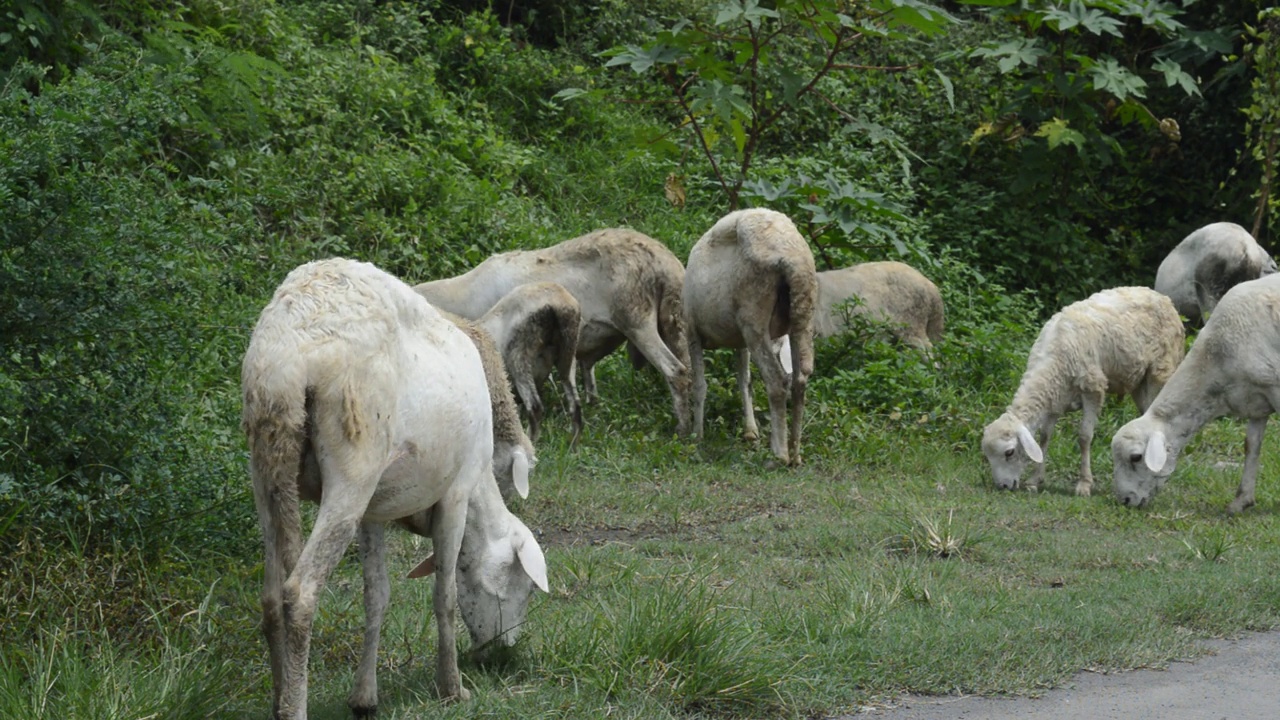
x,y
676,641
1211,544
926,534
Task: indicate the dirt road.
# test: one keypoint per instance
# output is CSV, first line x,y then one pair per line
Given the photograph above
x,y
1240,681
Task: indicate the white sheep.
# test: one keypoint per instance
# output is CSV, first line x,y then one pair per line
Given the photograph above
x,y
354,385
1233,369
1123,341
628,288
751,279
536,328
1207,263
891,292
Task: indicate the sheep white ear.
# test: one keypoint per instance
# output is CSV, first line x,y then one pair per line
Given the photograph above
x,y
784,353
531,557
520,472
1029,444
424,568
1155,455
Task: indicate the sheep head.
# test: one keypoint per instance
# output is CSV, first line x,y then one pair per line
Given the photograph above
x,y
1141,461
1008,445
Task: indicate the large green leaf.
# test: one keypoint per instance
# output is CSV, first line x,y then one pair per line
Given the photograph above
x,y
1058,132
642,59
919,16
1110,76
1076,14
748,10
1175,75
1013,53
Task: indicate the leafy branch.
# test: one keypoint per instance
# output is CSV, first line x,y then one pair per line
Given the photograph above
x,y
733,78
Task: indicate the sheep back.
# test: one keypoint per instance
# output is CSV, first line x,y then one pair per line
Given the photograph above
x,y
888,291
1207,263
745,253
1238,347
1109,342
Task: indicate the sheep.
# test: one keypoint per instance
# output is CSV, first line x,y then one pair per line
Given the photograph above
x,y
1233,369
1206,264
751,278
536,327
354,385
513,454
626,283
891,292
1123,341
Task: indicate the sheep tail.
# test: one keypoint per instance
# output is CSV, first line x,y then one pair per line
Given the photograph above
x,y
802,287
671,326
937,320
273,418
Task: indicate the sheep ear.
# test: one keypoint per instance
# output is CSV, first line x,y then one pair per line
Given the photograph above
x,y
1155,455
1029,444
531,557
520,472
784,354
425,568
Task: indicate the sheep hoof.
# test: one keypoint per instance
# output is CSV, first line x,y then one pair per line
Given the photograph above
x,y
1083,490
364,711
751,436
463,695
1238,505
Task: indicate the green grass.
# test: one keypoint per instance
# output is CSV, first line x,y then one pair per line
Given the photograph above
x,y
694,581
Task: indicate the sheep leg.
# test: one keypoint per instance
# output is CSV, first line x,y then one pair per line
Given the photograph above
x,y
775,382
649,341
1252,459
1046,432
1090,406
363,700
699,389
446,537
335,526
798,380
282,548
566,372
589,396
750,431
281,527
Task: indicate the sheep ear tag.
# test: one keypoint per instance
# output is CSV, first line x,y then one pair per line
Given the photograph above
x,y
1029,444
1155,455
424,568
520,472
784,354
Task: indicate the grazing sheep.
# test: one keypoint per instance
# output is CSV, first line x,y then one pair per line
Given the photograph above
x,y
1207,263
536,327
626,283
890,292
750,279
1124,341
513,454
355,386
1233,369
